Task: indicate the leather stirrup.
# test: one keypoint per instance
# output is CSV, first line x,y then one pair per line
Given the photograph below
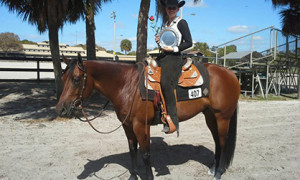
x,y
171,124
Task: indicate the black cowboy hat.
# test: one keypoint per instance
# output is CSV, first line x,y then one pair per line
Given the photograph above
x,y
172,3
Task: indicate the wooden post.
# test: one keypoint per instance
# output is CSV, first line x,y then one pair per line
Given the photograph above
x,y
252,86
38,70
298,61
224,63
251,52
267,79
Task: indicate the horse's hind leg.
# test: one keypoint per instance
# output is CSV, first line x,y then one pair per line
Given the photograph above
x,y
224,133
212,125
132,142
227,128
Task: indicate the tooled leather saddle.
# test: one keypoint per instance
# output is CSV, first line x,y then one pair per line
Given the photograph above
x,y
190,77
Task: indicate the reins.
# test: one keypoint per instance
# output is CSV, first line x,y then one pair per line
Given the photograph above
x,y
95,117
77,104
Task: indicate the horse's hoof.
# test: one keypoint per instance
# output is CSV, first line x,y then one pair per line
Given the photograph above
x,y
150,178
211,172
218,176
133,177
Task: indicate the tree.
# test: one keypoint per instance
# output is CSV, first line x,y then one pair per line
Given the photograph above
x,y
229,49
125,45
25,41
142,34
290,16
202,47
91,8
87,9
51,15
10,42
100,48
133,53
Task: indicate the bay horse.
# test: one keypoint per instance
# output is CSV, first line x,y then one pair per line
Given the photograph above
x,y
118,82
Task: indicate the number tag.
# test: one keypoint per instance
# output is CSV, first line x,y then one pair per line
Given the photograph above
x,y
195,93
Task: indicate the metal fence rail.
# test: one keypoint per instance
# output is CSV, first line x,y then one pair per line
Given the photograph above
x,y
276,71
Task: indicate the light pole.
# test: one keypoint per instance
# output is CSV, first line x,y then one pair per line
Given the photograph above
x,y
113,15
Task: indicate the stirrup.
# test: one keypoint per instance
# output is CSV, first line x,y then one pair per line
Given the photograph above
x,y
171,125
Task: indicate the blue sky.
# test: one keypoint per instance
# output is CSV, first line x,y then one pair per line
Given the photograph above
x,y
214,22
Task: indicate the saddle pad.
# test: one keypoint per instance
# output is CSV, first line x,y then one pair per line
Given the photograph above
x,y
183,93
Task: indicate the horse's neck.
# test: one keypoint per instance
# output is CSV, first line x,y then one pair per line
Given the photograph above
x,y
114,80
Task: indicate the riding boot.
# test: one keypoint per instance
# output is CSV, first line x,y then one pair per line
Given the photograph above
x,y
170,72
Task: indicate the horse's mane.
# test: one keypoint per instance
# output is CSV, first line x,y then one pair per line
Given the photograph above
x,y
71,65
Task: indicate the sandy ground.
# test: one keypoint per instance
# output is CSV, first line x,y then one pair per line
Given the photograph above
x,y
35,144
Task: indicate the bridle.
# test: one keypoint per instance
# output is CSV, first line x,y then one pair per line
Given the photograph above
x,y
77,103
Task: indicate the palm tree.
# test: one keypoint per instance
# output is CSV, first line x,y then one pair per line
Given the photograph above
x,y
51,15
290,16
141,50
142,34
90,8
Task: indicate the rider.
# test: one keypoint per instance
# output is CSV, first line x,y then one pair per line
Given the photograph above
x,y
170,60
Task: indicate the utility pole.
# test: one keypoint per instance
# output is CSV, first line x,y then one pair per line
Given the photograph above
x,y
113,15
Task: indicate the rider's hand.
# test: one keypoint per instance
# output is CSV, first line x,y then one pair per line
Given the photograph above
x,y
157,39
168,49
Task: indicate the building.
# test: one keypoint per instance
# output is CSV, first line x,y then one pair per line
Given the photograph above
x,y
42,50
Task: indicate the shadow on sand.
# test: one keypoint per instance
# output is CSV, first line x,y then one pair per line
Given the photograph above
x,y
32,100
162,156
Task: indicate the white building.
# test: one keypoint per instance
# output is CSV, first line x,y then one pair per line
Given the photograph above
x,y
42,49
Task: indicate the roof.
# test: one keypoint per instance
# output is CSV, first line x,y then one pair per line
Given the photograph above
x,y
243,55
103,54
43,49
236,55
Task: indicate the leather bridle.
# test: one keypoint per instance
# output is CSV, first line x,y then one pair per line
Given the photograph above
x,y
77,103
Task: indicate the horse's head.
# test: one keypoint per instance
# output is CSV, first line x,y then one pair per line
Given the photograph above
x,y
77,87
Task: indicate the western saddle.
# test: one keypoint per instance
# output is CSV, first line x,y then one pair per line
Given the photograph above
x,y
190,76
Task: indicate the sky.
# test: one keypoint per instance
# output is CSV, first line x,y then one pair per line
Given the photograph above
x,y
214,22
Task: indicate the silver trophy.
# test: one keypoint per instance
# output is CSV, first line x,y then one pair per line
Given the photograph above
x,y
168,37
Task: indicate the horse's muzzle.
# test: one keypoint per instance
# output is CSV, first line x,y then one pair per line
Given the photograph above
x,y
64,110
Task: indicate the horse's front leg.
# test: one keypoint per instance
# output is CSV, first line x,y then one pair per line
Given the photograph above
x,y
144,142
132,142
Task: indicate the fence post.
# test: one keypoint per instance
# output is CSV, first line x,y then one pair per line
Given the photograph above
x,y
38,70
298,64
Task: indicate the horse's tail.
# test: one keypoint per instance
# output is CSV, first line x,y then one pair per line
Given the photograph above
x,y
231,140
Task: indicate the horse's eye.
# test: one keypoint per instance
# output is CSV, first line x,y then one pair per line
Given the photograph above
x,y
76,80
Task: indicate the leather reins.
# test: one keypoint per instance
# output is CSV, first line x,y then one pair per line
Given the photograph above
x,y
77,104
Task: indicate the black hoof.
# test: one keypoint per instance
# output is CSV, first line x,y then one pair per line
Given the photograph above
x,y
133,177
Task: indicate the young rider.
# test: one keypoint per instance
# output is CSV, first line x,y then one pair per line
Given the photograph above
x,y
171,61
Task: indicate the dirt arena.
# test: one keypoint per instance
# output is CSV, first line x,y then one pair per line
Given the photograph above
x,y
35,144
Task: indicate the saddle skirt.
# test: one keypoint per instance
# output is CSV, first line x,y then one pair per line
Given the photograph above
x,y
190,75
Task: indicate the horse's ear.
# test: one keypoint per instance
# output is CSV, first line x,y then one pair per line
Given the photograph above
x,y
80,59
66,60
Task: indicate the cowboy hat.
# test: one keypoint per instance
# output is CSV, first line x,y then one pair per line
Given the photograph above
x,y
172,3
